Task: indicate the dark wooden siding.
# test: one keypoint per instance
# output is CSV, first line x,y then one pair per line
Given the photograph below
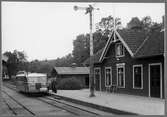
x,y
111,61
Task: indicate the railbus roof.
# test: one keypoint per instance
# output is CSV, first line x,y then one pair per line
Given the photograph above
x,y
31,75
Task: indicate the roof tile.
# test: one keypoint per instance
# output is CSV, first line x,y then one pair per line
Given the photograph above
x,y
132,38
153,46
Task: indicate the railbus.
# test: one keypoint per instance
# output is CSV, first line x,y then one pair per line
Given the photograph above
x,y
31,82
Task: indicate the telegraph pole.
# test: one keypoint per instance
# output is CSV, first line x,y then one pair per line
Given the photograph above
x,y
91,56
1,103
91,74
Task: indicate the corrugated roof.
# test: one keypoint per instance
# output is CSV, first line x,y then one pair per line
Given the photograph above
x,y
72,70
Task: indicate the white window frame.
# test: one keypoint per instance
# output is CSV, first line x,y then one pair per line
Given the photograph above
x,y
121,65
116,45
141,66
105,76
100,76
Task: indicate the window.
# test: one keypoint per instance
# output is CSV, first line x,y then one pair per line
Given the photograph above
x,y
108,76
119,50
137,76
121,75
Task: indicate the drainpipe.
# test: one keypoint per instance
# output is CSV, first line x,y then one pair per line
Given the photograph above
x,y
165,59
1,104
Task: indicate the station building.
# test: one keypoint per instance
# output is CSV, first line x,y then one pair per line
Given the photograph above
x,y
132,60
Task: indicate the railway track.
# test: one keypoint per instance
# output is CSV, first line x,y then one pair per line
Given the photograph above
x,y
68,107
74,110
17,106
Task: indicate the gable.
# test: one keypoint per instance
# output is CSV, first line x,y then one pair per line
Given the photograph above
x,y
112,52
130,39
138,43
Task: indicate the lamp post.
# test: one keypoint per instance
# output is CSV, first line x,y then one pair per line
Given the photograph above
x,y
89,10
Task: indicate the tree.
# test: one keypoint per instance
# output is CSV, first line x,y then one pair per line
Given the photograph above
x,y
106,25
16,61
81,46
11,63
134,23
145,24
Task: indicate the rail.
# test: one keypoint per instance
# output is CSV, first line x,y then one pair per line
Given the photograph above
x,y
62,105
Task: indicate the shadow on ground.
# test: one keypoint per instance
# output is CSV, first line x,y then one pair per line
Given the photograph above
x,y
35,94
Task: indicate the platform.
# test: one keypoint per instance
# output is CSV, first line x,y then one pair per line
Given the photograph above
x,y
116,102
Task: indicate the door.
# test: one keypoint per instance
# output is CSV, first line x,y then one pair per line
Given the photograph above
x,y
155,81
87,82
97,75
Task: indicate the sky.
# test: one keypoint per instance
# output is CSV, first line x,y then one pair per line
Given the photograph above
x,y
46,30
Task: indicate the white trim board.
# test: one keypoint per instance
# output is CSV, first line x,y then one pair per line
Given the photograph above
x,y
105,48
109,43
125,44
121,65
105,76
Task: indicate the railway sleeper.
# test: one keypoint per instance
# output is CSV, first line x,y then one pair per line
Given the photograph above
x,y
16,108
71,109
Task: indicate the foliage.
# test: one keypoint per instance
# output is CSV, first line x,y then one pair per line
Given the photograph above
x,y
70,84
16,61
45,66
106,25
81,46
134,23
64,61
39,66
145,23
81,50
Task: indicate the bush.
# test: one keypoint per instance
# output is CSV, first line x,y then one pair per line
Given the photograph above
x,y
70,84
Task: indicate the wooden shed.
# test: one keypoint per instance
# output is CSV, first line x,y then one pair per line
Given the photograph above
x,y
80,73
